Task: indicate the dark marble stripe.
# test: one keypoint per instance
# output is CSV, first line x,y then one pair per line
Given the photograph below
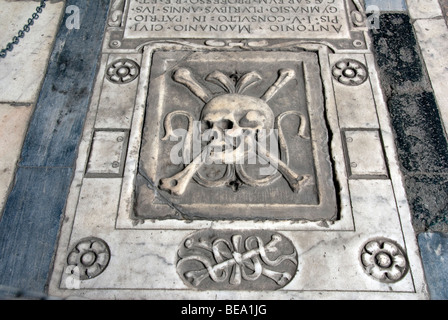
x,y
419,133
420,139
434,252
56,125
30,225
30,222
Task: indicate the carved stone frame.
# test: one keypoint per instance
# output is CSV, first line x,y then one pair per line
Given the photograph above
x,y
343,216
144,253
326,209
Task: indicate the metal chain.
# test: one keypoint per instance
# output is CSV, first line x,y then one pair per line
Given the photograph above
x,y
26,28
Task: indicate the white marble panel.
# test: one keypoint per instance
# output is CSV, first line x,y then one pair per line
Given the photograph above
x,y
365,154
116,105
432,36
355,103
27,63
369,251
107,154
424,9
13,125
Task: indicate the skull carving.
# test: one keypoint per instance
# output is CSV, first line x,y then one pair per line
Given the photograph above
x,y
232,117
230,122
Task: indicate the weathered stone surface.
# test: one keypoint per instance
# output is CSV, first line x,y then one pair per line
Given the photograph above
x,y
365,158
315,229
416,120
108,154
237,260
13,124
27,63
237,19
387,5
255,190
424,9
433,247
432,37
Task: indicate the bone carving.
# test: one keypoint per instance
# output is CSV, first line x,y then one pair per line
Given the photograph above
x,y
236,261
241,121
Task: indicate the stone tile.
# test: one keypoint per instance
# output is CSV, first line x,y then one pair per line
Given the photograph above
x,y
356,108
397,55
116,105
170,99
434,251
365,155
330,257
427,197
368,251
31,219
108,154
27,63
13,124
432,36
30,225
420,136
54,131
424,9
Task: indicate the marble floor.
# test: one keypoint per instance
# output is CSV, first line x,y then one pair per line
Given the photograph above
x,y
41,139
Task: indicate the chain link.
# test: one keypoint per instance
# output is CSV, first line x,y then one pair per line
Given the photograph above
x,y
26,28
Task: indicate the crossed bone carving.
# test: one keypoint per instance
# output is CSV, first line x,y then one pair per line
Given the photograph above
x,y
249,265
237,117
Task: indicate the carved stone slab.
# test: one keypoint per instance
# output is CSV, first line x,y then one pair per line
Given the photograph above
x,y
338,22
253,163
297,186
237,19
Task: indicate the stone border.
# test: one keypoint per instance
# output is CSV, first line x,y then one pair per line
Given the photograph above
x,y
29,276
372,209
32,215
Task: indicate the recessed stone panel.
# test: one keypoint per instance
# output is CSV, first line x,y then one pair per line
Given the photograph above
x,y
285,174
365,156
107,154
353,94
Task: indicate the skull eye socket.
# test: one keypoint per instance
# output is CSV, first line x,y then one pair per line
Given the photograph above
x,y
205,125
225,124
244,123
252,119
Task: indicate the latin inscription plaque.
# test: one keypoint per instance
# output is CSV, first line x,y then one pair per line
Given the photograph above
x,y
237,19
